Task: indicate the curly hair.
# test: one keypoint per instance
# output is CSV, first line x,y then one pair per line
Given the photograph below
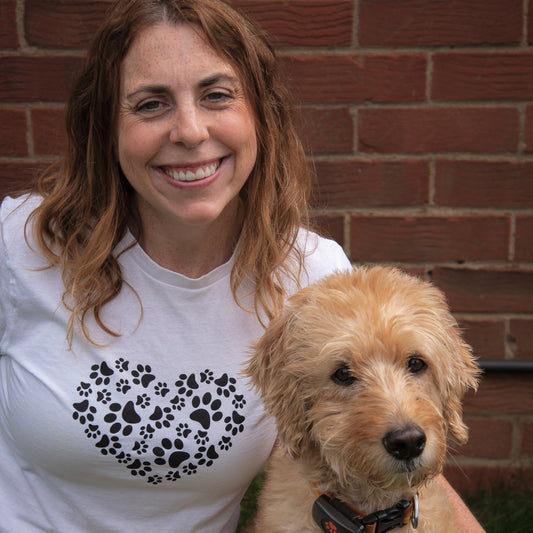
x,y
88,204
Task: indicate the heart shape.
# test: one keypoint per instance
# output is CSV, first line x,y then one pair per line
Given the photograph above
x,y
159,432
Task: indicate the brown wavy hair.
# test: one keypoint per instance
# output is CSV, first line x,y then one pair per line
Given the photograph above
x,y
88,203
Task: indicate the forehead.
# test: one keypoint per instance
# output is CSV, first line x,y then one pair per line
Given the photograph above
x,y
170,54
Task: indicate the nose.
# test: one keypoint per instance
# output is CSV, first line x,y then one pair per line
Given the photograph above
x,y
405,443
188,126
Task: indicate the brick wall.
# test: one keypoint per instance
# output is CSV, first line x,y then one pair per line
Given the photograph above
x,y
417,115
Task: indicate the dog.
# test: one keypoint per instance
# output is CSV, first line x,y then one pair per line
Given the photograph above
x,y
364,373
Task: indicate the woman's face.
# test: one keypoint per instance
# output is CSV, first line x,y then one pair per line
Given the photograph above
x,y
186,133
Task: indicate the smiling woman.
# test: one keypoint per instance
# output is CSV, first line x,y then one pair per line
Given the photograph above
x,y
186,144
141,268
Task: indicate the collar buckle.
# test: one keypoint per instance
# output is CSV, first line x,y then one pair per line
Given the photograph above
x,y
332,515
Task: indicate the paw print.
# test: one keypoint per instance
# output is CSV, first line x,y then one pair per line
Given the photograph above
x,y
190,469
234,424
140,447
172,476
147,432
239,402
139,467
201,437
226,385
142,375
177,403
123,458
121,365
206,456
108,445
100,373
123,386
207,376
92,431
155,480
84,412
183,430
225,443
84,389
186,384
143,401
161,389
103,396
170,452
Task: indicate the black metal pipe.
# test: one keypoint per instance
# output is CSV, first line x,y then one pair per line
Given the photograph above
x,y
506,365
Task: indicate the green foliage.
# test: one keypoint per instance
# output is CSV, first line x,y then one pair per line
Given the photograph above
x,y
503,511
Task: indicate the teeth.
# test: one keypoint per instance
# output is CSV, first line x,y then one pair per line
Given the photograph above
x,y
201,173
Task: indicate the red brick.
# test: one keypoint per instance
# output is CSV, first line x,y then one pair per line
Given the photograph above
x,y
331,226
484,183
430,23
425,238
482,76
371,183
487,337
526,434
49,136
13,132
521,332
456,129
529,128
493,291
469,479
524,238
36,78
328,130
63,24
488,439
502,393
357,78
8,24
530,23
15,177
303,22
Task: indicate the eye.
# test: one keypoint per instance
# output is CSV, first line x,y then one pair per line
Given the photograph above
x,y
343,376
217,97
150,107
416,365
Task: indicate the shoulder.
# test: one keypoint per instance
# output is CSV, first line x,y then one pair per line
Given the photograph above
x,y
322,257
14,213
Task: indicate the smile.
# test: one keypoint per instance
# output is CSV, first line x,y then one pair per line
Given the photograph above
x,y
192,174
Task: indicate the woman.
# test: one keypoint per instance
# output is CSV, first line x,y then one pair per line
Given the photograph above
x,y
139,271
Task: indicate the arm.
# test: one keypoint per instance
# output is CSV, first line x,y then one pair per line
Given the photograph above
x,y
465,519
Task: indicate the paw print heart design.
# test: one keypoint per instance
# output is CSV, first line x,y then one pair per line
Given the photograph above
x,y
159,430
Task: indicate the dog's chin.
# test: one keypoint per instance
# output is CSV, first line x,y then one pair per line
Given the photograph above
x,y
385,480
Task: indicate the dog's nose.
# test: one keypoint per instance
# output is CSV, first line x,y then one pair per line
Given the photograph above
x,y
405,443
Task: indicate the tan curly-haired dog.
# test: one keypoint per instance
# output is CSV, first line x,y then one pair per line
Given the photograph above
x,y
364,373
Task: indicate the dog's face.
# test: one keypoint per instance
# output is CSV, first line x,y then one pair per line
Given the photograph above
x,y
364,373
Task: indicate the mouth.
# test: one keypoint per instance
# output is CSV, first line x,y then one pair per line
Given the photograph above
x,y
192,173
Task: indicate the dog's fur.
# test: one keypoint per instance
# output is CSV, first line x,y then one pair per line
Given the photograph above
x,y
340,369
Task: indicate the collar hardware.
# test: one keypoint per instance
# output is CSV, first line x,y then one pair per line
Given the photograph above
x,y
334,516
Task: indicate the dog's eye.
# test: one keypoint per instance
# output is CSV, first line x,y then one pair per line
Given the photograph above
x,y
415,365
343,376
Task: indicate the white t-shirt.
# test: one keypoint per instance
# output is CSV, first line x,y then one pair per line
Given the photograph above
x,y
155,430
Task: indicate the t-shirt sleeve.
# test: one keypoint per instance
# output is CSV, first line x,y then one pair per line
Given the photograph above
x,y
323,257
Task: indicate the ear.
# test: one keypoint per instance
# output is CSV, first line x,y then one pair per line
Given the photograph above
x,y
462,374
271,375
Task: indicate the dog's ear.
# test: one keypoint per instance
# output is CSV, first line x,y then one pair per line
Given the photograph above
x,y
461,375
271,375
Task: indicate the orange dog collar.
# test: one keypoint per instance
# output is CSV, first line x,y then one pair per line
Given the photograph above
x,y
334,516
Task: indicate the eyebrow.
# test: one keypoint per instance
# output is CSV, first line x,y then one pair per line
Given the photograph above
x,y
206,82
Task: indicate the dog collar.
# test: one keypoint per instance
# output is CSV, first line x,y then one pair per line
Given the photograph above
x,y
334,516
